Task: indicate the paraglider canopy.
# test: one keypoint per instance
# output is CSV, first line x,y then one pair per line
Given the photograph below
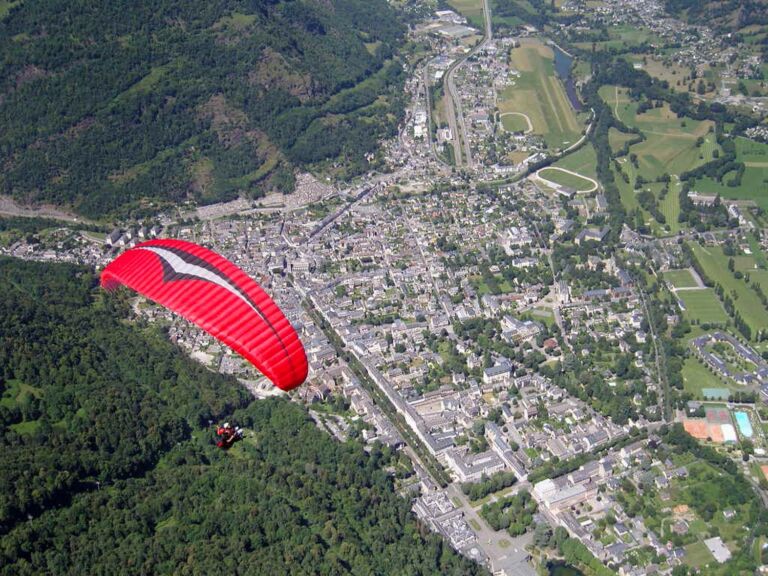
x,y
209,290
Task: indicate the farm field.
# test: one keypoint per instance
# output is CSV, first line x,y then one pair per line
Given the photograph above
x,y
703,306
617,139
680,278
628,196
670,205
583,161
670,148
669,71
621,37
622,105
540,95
715,265
472,10
754,183
566,179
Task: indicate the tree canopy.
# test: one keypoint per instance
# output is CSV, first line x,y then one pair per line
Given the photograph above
x,y
108,463
113,106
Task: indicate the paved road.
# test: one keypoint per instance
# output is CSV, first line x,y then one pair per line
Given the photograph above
x,y
9,207
427,94
664,400
511,557
455,115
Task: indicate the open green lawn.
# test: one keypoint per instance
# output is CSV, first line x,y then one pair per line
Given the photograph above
x,y
583,161
754,183
748,304
567,179
617,139
703,305
540,95
670,144
696,377
514,122
622,105
670,205
483,288
697,554
680,278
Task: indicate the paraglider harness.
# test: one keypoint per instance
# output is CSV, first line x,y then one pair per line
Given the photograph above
x,y
228,436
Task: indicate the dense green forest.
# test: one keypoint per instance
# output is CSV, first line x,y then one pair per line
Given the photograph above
x,y
110,105
728,15
108,465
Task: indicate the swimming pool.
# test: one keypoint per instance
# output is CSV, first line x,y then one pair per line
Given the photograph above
x,y
745,426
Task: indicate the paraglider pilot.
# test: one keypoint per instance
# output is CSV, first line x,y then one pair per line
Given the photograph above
x,y
228,435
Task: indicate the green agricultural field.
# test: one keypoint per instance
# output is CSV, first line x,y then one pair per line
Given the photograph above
x,y
617,139
703,306
670,148
583,161
621,38
471,9
680,278
662,67
715,265
566,179
670,145
754,183
624,108
539,94
628,196
670,205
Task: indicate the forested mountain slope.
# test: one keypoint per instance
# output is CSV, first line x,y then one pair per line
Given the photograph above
x,y
105,103
88,396
726,15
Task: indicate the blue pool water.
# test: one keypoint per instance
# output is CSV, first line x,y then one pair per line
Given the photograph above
x,y
744,424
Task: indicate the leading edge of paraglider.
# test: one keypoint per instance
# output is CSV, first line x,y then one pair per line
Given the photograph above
x,y
215,294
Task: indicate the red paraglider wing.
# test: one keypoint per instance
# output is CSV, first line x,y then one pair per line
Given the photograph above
x,y
215,294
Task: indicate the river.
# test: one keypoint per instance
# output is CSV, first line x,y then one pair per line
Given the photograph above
x,y
563,64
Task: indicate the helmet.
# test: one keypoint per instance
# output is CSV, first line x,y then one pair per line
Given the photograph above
x,y
226,424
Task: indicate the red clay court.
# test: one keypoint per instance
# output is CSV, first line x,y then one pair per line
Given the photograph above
x,y
718,415
702,430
